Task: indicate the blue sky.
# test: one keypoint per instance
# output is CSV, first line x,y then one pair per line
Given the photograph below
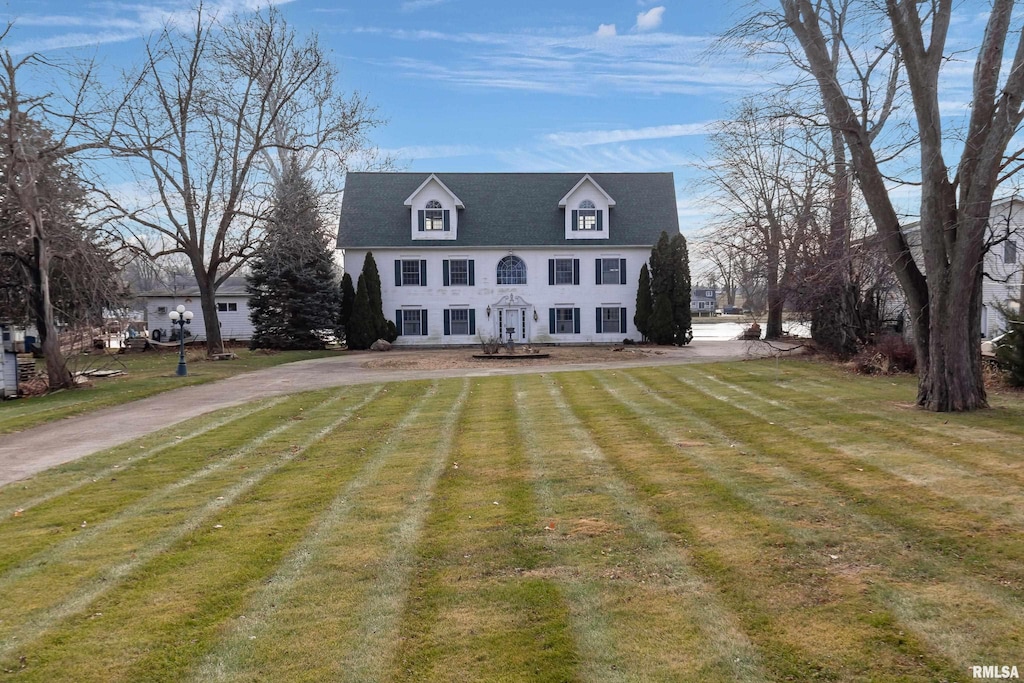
x,y
472,85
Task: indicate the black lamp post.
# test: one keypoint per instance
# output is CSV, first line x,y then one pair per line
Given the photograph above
x,y
181,317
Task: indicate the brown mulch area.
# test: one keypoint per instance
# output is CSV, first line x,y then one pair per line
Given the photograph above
x,y
439,359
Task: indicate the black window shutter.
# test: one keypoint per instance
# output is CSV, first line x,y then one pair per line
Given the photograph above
x,y
575,271
551,321
423,323
445,277
598,327
421,220
447,322
447,221
398,273
551,271
472,319
576,320
423,273
575,220
398,321
599,213
472,278
597,271
622,320
622,271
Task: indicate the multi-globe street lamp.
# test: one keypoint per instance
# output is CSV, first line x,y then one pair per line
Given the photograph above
x,y
181,317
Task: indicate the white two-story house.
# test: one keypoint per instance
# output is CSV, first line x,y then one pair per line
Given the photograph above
x,y
535,257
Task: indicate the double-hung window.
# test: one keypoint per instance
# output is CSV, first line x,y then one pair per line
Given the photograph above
x,y
459,321
586,216
1009,251
410,273
611,319
457,272
563,271
411,322
564,320
610,271
433,216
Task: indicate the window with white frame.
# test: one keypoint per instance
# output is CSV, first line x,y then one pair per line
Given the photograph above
x,y
223,307
410,273
610,271
433,216
610,319
563,271
511,271
586,216
1009,251
565,322
412,322
458,271
459,320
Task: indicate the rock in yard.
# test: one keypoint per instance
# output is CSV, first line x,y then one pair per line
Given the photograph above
x,y
380,345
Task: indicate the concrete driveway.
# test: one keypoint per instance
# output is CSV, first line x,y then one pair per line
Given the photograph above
x,y
24,453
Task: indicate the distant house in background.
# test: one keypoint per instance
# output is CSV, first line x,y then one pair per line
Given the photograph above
x,y
703,301
1001,286
232,309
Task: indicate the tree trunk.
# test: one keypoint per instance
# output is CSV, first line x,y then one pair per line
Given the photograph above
x,y
208,301
57,373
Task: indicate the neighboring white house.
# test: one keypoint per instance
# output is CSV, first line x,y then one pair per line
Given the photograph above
x,y
543,257
1003,265
232,309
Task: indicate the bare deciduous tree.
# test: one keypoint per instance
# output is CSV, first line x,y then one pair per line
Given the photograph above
x,y
945,296
210,115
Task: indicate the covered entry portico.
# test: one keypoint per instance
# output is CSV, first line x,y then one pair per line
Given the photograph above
x,y
513,314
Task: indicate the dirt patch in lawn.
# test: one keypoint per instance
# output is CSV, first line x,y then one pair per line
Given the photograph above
x,y
439,359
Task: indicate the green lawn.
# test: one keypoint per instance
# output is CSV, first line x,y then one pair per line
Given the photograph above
x,y
732,522
147,373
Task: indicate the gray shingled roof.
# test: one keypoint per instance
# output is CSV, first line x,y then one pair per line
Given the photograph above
x,y
505,209
185,285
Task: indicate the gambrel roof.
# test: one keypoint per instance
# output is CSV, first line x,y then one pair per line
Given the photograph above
x,y
505,209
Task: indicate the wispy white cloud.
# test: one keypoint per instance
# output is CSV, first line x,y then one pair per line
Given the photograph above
x,y
609,159
605,31
604,137
414,5
116,22
418,152
577,64
649,20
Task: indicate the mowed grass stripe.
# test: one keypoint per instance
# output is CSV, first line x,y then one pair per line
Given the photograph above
x,y
601,530
990,545
47,633
801,619
477,610
126,503
906,580
905,430
22,497
328,578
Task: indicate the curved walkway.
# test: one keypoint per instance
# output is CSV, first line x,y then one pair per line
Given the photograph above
x,y
22,454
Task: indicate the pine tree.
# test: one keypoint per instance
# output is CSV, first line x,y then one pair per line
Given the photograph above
x,y
293,296
644,303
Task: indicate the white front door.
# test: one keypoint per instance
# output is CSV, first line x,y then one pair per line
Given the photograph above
x,y
512,320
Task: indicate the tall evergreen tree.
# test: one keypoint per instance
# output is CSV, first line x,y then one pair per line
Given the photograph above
x,y
379,323
669,322
293,296
359,334
348,297
644,303
682,327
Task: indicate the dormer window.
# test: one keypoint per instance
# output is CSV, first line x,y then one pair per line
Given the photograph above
x,y
586,217
433,216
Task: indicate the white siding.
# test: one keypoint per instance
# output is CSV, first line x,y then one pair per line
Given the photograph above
x,y
233,324
537,296
8,374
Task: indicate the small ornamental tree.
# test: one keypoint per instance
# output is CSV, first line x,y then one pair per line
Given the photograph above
x,y
644,303
293,299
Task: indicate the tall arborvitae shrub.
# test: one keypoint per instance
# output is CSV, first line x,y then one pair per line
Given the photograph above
x,y
669,322
681,322
293,295
644,303
347,295
373,293
360,332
